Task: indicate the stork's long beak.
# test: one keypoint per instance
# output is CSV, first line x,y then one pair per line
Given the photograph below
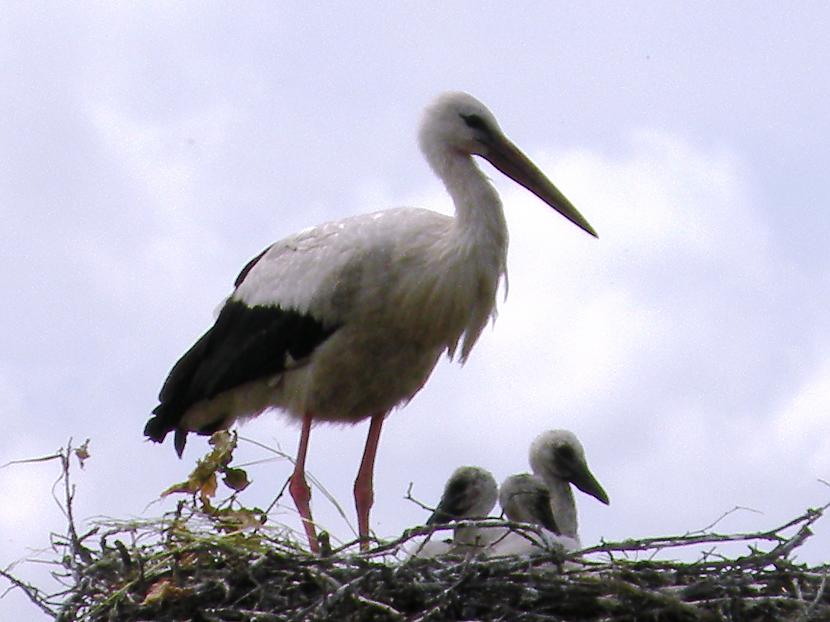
x,y
583,479
441,515
510,160
453,504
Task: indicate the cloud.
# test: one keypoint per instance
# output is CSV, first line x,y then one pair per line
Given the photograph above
x,y
162,162
800,428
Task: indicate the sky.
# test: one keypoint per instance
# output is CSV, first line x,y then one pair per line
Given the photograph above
x,y
149,150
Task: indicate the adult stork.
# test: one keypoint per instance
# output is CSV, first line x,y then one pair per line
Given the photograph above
x,y
345,321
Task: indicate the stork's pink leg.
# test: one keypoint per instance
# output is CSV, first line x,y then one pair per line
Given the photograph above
x,y
363,485
299,489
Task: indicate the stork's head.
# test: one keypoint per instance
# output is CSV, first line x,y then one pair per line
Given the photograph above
x,y
470,492
525,498
558,454
458,124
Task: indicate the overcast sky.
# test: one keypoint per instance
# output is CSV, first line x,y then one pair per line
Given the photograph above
x,y
147,151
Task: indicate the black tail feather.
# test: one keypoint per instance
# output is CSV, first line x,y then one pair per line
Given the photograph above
x,y
179,441
155,429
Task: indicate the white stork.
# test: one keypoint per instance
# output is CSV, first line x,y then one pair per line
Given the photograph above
x,y
345,321
558,458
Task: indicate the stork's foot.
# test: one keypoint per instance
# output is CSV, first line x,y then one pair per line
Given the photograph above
x,y
301,493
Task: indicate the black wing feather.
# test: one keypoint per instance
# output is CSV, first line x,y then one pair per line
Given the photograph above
x,y
245,344
249,266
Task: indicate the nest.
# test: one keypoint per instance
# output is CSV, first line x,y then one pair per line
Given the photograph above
x,y
205,563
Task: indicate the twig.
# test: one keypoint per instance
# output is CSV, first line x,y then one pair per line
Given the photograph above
x,y
478,523
314,481
773,535
31,460
808,612
409,497
387,609
31,592
713,524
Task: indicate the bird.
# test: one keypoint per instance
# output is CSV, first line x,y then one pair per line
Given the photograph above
x,y
346,320
470,492
558,459
524,498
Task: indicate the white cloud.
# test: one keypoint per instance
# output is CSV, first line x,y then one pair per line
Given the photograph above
x,y
23,518
163,160
801,428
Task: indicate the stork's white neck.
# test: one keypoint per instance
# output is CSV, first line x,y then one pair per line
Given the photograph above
x,y
478,209
471,255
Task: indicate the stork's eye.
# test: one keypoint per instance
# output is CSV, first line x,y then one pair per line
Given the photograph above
x,y
565,458
475,122
565,453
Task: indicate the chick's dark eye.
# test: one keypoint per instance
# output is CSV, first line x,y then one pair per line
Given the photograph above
x,y
565,453
564,457
475,122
